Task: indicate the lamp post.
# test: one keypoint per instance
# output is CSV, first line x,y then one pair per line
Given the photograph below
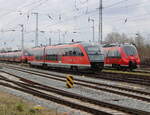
x,y
90,19
22,37
37,29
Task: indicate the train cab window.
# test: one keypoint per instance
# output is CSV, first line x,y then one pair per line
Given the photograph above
x,y
110,53
130,50
78,52
117,54
93,50
113,54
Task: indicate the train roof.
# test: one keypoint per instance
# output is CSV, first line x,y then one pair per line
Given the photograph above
x,y
69,44
76,43
117,45
14,51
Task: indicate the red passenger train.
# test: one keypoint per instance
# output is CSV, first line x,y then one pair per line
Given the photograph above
x,y
123,56
15,56
74,56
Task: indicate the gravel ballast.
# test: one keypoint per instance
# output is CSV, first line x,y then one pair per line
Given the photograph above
x,y
88,92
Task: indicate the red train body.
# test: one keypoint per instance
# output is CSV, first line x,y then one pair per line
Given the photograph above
x,y
121,56
73,56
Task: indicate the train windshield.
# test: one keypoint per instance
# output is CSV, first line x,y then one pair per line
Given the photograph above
x,y
130,50
94,53
93,50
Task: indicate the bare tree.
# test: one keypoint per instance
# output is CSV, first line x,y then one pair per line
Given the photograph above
x,y
115,37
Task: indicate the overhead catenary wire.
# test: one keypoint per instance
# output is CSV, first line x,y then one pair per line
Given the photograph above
x,y
115,4
76,17
111,6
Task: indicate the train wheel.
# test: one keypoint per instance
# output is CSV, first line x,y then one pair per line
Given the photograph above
x,y
74,68
44,66
118,67
131,69
124,69
30,65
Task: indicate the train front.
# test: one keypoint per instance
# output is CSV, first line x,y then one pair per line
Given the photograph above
x,y
96,57
131,56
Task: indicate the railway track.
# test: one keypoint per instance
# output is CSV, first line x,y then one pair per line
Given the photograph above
x,y
129,72
135,72
142,71
132,93
114,76
38,90
129,78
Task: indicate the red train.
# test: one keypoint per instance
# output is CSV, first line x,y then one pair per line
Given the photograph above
x,y
15,56
123,56
74,56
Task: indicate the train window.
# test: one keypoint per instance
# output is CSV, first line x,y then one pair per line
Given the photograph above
x,y
67,52
92,50
117,54
110,53
38,54
28,53
51,57
77,52
105,53
72,51
130,50
113,54
51,54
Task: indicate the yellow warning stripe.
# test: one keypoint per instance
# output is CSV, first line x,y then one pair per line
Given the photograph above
x,y
69,84
70,77
70,80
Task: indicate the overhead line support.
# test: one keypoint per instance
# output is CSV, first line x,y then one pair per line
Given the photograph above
x,y
100,34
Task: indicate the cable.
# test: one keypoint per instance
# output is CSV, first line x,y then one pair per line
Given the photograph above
x,y
129,6
83,2
114,4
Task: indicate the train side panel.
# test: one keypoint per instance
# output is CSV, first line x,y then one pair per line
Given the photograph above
x,y
69,56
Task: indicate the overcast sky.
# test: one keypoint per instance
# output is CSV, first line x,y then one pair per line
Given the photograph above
x,y
70,17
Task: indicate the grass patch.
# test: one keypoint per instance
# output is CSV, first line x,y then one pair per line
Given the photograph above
x,y
12,105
